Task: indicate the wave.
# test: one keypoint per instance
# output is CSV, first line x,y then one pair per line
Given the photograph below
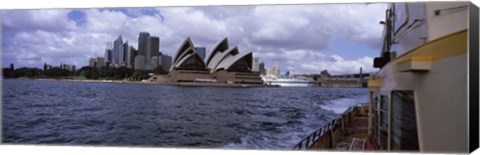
x,y
338,106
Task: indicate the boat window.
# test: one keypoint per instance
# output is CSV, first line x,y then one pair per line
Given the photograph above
x,y
383,108
375,118
404,122
400,16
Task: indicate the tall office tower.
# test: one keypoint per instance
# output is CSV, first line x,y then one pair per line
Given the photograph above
x,y
128,51
255,64
117,50
166,62
275,71
139,62
261,68
123,55
130,56
133,54
108,56
142,43
153,63
153,44
201,52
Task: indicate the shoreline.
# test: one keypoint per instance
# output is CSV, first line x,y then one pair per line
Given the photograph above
x,y
181,84
75,80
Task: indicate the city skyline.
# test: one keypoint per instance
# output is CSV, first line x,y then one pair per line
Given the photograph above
x,y
298,38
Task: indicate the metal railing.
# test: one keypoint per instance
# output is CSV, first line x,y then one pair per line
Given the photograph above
x,y
308,141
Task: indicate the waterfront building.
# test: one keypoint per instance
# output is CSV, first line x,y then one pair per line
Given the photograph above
x,y
201,52
139,62
153,63
275,71
123,54
100,62
135,53
127,56
287,74
153,45
219,48
261,68
117,50
142,43
69,67
256,65
225,65
131,53
92,62
165,61
108,55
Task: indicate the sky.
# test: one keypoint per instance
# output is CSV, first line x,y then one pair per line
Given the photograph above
x,y
303,39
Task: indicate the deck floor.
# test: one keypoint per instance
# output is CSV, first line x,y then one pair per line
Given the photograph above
x,y
358,129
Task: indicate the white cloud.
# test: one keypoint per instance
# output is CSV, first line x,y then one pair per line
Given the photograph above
x,y
27,20
338,65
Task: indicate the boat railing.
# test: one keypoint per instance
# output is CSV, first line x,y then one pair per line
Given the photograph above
x,y
326,130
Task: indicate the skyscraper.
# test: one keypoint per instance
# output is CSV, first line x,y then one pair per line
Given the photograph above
x,y
166,62
134,53
255,64
153,63
108,55
128,55
123,54
201,52
275,71
261,68
153,44
142,43
139,62
117,50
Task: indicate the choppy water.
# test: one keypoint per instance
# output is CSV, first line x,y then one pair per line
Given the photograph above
x,y
121,114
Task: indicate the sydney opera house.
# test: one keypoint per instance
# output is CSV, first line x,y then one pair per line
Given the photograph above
x,y
223,65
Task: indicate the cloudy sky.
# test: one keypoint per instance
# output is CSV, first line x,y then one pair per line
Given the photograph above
x,y
340,38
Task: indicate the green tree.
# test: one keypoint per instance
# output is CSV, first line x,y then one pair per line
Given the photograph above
x,y
140,74
103,71
159,70
56,72
88,72
12,67
94,73
123,72
27,72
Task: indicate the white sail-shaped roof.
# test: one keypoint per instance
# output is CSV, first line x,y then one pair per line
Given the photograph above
x,y
220,56
192,61
183,48
220,47
227,63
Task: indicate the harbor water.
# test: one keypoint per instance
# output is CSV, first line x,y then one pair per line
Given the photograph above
x,y
149,115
